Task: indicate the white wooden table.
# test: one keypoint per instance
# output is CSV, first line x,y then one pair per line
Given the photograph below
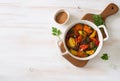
x,y
28,51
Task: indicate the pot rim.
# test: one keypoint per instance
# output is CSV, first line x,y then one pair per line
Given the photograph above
x,y
99,36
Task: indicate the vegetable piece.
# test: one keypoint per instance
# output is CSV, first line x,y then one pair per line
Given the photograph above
x,y
84,46
90,52
56,32
96,41
91,45
73,52
80,32
87,29
98,20
105,56
76,33
83,33
93,34
79,39
82,54
78,27
72,42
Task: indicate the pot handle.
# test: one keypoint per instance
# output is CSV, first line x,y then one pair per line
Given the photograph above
x,y
104,31
63,50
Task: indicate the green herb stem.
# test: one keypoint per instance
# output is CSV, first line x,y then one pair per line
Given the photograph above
x,y
56,32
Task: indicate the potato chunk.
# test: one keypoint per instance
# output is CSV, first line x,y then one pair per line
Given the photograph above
x,y
72,42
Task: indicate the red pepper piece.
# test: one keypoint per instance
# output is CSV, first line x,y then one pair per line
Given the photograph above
x,y
96,41
84,46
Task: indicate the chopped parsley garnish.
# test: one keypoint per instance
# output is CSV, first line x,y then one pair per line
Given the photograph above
x,y
105,56
98,20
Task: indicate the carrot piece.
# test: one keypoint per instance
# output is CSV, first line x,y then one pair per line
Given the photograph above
x,y
79,39
82,54
76,33
78,27
87,29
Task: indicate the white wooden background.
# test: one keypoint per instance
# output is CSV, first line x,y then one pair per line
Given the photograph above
x,y
28,51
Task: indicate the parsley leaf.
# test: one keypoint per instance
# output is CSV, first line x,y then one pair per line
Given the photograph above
x,y
105,56
98,20
56,32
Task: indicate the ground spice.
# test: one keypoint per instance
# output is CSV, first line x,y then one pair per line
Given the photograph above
x,y
61,17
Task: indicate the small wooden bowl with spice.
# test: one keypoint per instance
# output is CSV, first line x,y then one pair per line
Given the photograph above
x,y
61,16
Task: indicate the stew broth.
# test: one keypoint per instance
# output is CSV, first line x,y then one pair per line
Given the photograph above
x,y
82,40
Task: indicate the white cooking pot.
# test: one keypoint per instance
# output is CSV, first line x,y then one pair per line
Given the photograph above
x,y
101,39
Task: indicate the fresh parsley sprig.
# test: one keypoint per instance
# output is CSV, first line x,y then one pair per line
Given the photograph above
x,y
98,20
105,56
56,32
